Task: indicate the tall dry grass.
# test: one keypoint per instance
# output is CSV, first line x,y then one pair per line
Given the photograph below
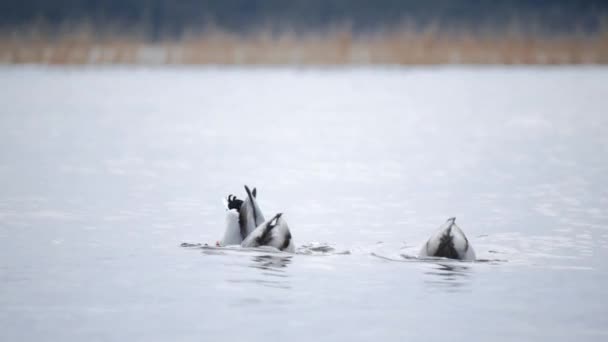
x,y
338,47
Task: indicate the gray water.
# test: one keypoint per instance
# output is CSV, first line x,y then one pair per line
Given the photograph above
x,y
104,172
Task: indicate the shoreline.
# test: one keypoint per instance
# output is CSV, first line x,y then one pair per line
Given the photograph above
x,y
341,48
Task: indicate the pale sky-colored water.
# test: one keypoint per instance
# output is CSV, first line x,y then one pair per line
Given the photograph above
x,y
105,171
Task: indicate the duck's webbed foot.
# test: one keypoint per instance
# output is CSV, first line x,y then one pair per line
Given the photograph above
x,y
234,202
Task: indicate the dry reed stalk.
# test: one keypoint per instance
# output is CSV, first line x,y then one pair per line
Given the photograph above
x,y
338,47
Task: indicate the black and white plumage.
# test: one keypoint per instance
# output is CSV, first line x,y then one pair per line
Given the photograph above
x,y
232,231
242,217
250,214
274,233
245,225
448,242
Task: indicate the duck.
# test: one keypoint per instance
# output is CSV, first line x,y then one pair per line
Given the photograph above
x,y
449,242
245,225
232,231
242,218
274,233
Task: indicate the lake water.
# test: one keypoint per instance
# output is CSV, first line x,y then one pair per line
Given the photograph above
x,y
104,172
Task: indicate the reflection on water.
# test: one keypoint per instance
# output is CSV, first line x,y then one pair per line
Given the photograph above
x,y
449,276
352,156
444,274
271,265
272,272
271,262
279,284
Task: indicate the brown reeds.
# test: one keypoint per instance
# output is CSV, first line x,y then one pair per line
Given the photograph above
x,y
338,47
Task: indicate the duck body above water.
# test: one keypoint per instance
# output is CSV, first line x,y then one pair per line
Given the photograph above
x,y
245,225
274,233
450,242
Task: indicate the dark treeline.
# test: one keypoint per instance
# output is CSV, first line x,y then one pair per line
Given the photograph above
x,y
158,19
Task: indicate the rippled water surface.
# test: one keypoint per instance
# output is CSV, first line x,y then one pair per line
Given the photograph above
x,y
104,172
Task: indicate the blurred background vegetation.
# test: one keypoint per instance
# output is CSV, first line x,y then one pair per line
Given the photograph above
x,y
304,31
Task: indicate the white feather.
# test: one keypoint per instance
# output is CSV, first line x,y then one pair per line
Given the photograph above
x,y
232,232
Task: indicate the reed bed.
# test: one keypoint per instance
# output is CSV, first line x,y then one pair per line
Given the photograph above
x,y
338,47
